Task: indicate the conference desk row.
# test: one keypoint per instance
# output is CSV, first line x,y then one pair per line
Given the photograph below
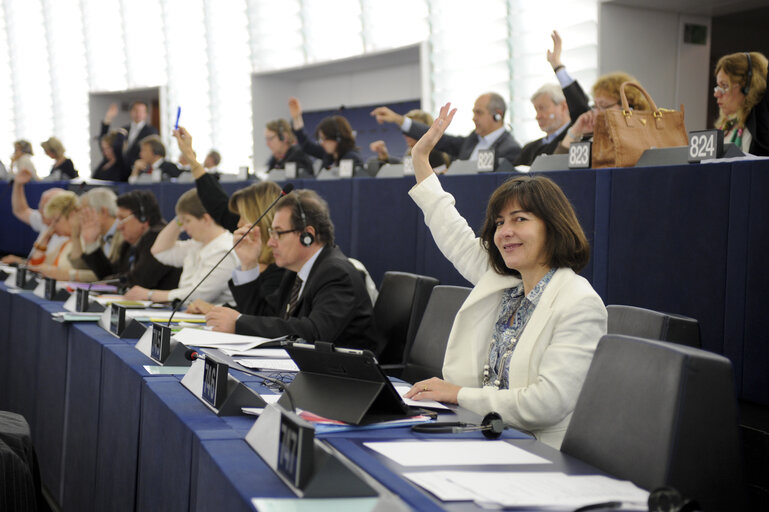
x,y
685,239
111,436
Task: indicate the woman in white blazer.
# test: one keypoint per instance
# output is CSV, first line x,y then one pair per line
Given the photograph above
x,y
523,340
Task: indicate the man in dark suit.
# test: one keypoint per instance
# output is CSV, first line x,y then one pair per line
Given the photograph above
x,y
152,161
322,296
553,119
133,132
139,222
490,134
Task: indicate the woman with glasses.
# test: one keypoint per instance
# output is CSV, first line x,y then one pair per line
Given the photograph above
x,y
743,105
237,214
336,140
605,96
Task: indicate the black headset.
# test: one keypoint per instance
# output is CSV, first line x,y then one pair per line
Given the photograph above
x,y
491,427
745,90
305,237
142,215
281,136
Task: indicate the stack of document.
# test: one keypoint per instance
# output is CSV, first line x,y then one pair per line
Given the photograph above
x,y
245,349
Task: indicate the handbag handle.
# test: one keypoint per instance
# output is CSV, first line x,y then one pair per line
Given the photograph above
x,y
626,107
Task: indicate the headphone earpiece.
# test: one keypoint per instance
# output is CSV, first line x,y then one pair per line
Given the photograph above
x,y
497,116
305,237
338,130
281,136
745,90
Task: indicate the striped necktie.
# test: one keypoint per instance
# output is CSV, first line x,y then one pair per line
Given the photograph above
x,y
294,297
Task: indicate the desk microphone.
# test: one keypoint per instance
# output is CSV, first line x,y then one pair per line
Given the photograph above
x,y
288,187
191,355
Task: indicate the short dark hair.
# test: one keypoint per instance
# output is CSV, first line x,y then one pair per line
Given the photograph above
x,y
156,144
566,244
139,102
142,200
282,129
316,213
215,156
337,128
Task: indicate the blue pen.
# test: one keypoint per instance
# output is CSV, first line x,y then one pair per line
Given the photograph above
x,y
178,114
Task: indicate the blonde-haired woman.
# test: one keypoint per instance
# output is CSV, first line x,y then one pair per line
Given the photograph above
x,y
55,150
257,276
742,101
63,209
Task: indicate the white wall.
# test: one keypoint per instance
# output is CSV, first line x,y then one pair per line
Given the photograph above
x,y
649,45
375,78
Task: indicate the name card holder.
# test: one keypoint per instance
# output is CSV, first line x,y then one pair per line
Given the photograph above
x,y
115,322
52,292
486,160
158,344
311,469
210,381
346,168
25,280
705,144
81,302
290,168
4,275
580,154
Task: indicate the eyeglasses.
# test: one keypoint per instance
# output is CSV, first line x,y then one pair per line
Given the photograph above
x,y
122,221
719,89
275,234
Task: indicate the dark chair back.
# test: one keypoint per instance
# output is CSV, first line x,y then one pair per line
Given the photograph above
x,y
425,359
661,414
653,325
398,310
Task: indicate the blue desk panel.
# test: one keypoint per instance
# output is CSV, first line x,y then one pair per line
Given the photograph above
x,y
81,423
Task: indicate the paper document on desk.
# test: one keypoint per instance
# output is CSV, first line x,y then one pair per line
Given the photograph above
x,y
161,315
454,453
221,340
268,353
402,389
528,489
261,363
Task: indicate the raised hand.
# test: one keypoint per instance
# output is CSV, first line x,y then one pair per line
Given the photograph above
x,y
380,148
112,112
420,153
184,141
250,248
554,57
23,177
90,230
385,115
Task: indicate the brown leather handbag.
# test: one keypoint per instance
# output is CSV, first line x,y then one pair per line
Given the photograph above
x,y
621,136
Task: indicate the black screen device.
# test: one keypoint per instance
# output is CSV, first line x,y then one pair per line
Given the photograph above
x,y
344,384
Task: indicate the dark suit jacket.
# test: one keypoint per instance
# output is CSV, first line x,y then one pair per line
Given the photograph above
x,y
316,150
334,307
119,171
577,102
169,169
216,202
296,155
67,169
131,153
462,147
251,298
137,264
758,125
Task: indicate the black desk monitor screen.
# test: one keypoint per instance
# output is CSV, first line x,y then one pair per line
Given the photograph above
x,y
344,384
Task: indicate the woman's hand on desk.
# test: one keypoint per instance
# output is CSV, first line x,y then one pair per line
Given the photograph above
x,y
199,307
434,389
221,319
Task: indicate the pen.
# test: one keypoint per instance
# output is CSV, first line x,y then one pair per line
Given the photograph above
x,y
178,114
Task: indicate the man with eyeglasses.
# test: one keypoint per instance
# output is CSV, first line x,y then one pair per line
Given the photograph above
x,y
138,221
322,297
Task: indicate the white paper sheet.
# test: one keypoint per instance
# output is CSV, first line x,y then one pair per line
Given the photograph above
x,y
161,315
528,489
269,353
220,340
454,453
260,363
402,389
